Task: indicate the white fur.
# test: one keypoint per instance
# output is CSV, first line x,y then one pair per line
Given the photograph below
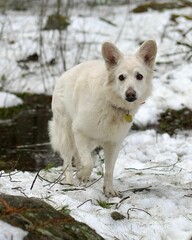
x,y
89,105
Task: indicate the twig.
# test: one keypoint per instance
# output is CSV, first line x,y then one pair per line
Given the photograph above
x,y
10,177
117,205
73,189
89,200
137,189
59,177
20,190
188,195
108,21
33,145
9,174
164,31
134,209
153,167
185,33
94,182
34,180
184,44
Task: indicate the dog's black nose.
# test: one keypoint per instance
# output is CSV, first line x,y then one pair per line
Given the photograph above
x,y
130,95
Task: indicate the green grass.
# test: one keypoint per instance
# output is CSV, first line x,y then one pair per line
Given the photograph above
x,y
104,204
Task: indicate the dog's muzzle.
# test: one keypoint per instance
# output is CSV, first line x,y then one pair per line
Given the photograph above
x,y
130,95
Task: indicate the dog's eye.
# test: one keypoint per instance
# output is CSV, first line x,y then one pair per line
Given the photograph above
x,y
139,76
121,77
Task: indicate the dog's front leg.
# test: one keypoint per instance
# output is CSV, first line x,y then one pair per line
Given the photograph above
x,y
111,151
86,163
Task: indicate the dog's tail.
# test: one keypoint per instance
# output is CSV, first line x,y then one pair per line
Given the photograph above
x,y
53,135
60,136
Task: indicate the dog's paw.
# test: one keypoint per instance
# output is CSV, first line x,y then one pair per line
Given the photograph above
x,y
110,192
83,174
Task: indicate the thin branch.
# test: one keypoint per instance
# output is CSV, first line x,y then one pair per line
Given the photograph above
x,y
60,177
89,200
94,182
73,189
117,205
154,167
164,31
137,189
184,44
34,180
33,145
9,174
20,189
138,209
188,195
185,33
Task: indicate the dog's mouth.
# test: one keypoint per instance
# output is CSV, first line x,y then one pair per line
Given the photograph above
x,y
131,99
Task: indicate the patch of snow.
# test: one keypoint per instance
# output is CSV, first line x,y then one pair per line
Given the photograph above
x,y
9,100
9,232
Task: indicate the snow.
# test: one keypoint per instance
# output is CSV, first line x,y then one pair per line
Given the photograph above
x,y
153,170
9,232
9,100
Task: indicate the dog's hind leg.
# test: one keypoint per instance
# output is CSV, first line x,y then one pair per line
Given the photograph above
x,y
85,166
62,142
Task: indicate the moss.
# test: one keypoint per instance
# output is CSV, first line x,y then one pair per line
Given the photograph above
x,y
175,16
161,6
30,100
57,21
172,120
7,113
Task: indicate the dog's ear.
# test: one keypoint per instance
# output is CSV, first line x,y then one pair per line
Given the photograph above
x,y
147,52
111,54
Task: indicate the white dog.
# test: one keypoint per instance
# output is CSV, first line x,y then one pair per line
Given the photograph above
x,y
94,104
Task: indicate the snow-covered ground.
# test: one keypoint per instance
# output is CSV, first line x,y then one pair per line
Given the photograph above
x,y
153,170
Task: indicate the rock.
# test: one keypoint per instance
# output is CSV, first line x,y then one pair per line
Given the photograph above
x,y
42,221
117,216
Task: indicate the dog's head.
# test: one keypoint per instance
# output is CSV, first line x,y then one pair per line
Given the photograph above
x,y
130,76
